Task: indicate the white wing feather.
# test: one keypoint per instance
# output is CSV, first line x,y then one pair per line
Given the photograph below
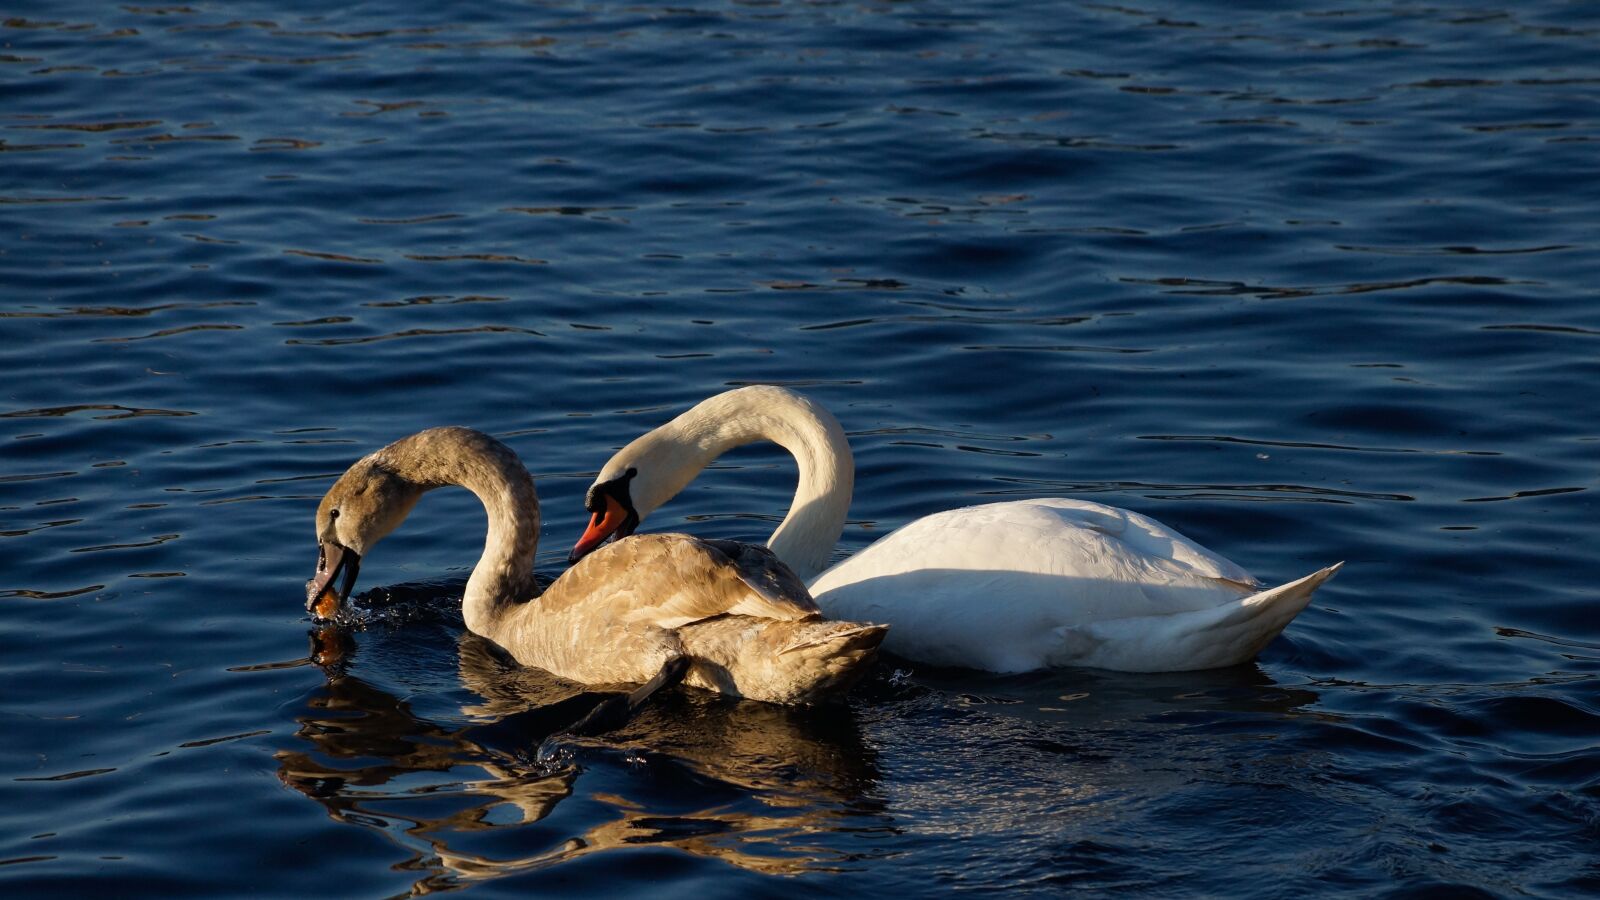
x,y
1012,587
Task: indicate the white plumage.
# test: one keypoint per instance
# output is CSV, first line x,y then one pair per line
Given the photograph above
x,y
1012,587
1007,587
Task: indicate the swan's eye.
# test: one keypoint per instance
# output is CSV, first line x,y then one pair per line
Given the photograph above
x,y
334,514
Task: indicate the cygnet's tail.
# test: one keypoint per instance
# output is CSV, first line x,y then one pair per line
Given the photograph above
x,y
836,645
1204,639
827,657
798,661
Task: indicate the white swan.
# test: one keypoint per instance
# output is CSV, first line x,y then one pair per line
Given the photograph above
x,y
1007,587
655,608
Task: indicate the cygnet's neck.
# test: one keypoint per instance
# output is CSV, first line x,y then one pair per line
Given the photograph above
x,y
461,456
806,537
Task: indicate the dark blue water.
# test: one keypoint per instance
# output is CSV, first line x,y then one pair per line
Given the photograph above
x,y
1308,284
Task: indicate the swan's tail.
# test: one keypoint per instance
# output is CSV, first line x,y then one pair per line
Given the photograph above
x,y
797,661
1204,639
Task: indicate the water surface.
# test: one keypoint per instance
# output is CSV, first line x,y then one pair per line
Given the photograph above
x,y
1309,284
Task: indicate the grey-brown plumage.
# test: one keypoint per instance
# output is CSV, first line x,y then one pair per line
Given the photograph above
x,y
746,622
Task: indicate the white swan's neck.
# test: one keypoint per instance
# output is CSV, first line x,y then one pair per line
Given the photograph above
x,y
807,535
504,574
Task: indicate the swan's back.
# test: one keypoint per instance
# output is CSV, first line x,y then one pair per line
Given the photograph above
x,y
668,580
747,623
1020,573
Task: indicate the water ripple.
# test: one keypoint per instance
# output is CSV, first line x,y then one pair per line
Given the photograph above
x,y
417,332
1020,250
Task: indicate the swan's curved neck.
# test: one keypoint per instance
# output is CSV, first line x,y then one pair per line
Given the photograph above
x,y
807,535
504,574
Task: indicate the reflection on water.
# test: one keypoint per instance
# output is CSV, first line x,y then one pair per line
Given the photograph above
x,y
741,782
1029,759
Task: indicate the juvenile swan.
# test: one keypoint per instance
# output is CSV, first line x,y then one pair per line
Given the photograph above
x,y
1007,587
637,612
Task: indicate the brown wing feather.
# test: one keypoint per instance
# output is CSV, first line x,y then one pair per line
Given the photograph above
x,y
670,580
775,583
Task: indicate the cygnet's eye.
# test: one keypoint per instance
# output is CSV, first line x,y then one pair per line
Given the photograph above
x,y
334,514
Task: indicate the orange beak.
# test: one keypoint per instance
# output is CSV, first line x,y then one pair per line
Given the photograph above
x,y
326,605
322,598
601,526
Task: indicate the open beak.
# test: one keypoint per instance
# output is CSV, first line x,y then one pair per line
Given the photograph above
x,y
615,520
322,600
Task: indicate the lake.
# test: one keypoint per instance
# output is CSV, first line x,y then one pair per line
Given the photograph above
x,y
1309,282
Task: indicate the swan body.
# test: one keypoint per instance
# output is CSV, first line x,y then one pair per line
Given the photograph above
x,y
744,623
1012,587
1006,587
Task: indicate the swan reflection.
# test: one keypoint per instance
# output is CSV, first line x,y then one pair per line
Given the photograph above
x,y
748,783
